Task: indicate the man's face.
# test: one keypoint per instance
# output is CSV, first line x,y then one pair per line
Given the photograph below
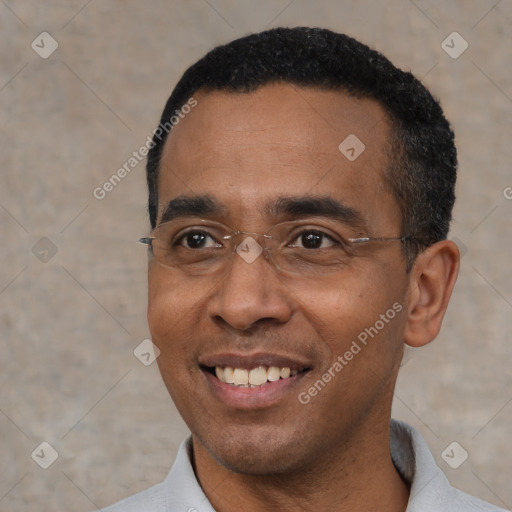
x,y
249,153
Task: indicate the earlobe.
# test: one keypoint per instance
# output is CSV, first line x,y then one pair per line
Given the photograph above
x,y
432,280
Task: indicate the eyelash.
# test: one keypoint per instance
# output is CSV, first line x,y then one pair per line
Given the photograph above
x,y
182,237
315,231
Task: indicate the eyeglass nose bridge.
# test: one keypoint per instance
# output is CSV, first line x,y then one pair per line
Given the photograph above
x,y
238,237
236,234
250,252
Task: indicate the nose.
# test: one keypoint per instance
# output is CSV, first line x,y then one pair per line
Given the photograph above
x,y
251,292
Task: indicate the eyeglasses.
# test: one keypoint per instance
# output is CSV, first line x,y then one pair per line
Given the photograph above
x,y
295,247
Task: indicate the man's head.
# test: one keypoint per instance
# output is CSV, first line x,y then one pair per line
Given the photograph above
x,y
421,170
259,154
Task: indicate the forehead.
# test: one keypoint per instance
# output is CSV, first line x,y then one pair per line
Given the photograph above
x,y
281,140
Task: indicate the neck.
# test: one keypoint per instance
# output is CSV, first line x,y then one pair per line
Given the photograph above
x,y
358,476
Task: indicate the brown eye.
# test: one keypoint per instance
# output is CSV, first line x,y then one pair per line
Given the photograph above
x,y
197,240
312,240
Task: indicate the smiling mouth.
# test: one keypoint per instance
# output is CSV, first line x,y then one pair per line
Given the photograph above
x,y
252,378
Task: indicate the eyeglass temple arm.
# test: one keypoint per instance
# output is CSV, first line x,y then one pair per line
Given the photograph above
x,y
378,239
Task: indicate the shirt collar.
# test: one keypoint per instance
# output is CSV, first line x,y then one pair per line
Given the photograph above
x,y
429,487
411,456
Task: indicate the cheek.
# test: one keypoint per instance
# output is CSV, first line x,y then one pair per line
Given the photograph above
x,y
170,316
171,320
368,311
171,300
162,304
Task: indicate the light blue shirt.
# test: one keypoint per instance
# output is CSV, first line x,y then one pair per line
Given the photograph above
x,y
430,489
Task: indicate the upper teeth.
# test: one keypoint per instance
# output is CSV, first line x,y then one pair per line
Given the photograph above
x,y
255,377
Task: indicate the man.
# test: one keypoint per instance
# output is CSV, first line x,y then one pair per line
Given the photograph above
x,y
300,194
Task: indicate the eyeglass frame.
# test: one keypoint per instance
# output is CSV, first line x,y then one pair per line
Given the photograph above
x,y
148,240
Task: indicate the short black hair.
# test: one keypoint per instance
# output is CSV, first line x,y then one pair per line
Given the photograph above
x,y
422,167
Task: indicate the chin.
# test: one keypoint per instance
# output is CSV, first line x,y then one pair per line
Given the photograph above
x,y
257,453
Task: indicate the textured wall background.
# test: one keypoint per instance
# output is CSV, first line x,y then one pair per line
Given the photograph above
x,y
72,277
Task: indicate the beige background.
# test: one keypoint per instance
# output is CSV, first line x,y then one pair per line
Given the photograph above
x,y
69,325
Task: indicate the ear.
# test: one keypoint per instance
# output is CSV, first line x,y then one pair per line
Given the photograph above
x,y
432,279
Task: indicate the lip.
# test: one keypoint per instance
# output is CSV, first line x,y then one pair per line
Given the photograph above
x,y
261,397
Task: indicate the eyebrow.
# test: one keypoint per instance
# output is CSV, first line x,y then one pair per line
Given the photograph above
x,y
196,206
312,206
282,208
